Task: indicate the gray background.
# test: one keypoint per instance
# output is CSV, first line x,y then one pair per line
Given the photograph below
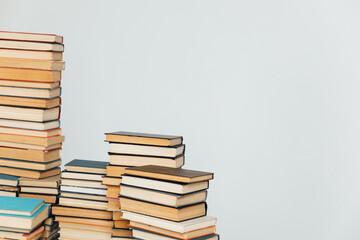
x,y
265,93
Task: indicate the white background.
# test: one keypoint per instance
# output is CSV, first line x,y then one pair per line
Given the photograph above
x,y
265,93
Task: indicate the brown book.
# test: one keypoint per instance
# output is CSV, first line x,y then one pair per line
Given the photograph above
x,y
26,45
49,199
37,93
32,64
50,182
32,75
29,114
40,85
83,196
29,173
93,222
170,174
81,212
121,232
29,155
143,138
83,203
117,216
121,224
40,190
31,133
113,191
33,37
8,188
29,54
43,141
5,162
30,102
114,181
114,204
115,171
30,146
156,210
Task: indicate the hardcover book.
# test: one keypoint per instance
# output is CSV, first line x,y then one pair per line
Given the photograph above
x,y
89,166
143,138
34,37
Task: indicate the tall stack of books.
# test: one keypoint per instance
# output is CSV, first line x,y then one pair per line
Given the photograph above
x,y
82,212
137,149
167,203
22,218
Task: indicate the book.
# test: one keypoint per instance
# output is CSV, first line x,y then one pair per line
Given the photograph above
x,y
80,212
161,211
85,227
115,171
69,233
31,133
83,196
21,206
9,188
29,54
185,236
143,138
170,174
81,176
113,191
82,183
40,190
29,173
30,92
9,180
29,146
117,216
25,45
35,37
114,181
30,102
29,114
160,151
29,165
85,190
39,126
180,227
50,182
34,235
166,186
42,141
32,64
94,222
89,166
32,75
142,234
8,194
163,198
48,199
15,83
83,203
113,204
121,232
121,223
138,160
29,155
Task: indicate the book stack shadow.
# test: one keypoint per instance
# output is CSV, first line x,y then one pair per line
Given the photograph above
x,y
136,149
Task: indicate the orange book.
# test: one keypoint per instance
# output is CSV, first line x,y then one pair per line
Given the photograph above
x,y
34,37
30,75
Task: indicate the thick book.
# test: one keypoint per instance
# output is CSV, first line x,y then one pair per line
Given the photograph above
x,y
93,222
48,199
83,196
42,141
32,64
83,203
40,85
39,126
30,146
166,186
82,183
143,138
170,174
16,234
88,234
114,181
8,194
40,190
29,173
29,54
113,192
81,212
115,171
161,211
114,204
32,75
138,160
146,150
33,37
9,188
89,166
85,227
119,232
143,234
163,198
50,182
29,114
6,162
30,102
21,206
30,92
25,45
29,155
31,133
81,176
74,189
180,227
9,180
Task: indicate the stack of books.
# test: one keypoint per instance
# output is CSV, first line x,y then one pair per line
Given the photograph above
x,y
82,212
137,149
9,185
30,74
167,203
22,218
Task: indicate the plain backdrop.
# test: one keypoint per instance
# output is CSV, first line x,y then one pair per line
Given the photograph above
x,y
265,93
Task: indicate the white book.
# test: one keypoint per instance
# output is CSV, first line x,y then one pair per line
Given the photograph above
x,y
146,150
84,190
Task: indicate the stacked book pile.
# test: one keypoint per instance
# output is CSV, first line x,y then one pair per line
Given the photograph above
x,y
166,203
9,185
22,218
137,149
82,210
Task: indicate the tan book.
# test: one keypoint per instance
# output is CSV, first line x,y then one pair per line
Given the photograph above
x,y
138,160
83,203
143,138
30,102
37,93
8,188
48,199
114,181
147,150
170,213
32,75
29,155
29,173
80,212
83,196
31,133
113,191
40,190
115,171
143,234
26,45
33,37
84,227
29,165
121,224
40,85
93,222
80,234
38,126
50,182
30,146
121,232
28,54
42,141
170,174
32,64
29,114
117,216
113,204
8,194
82,183
82,176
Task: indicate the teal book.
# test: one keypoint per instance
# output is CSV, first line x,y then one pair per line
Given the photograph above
x,y
8,180
19,206
88,166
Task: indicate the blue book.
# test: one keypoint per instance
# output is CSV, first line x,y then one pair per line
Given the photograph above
x,y
88,166
8,180
19,206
